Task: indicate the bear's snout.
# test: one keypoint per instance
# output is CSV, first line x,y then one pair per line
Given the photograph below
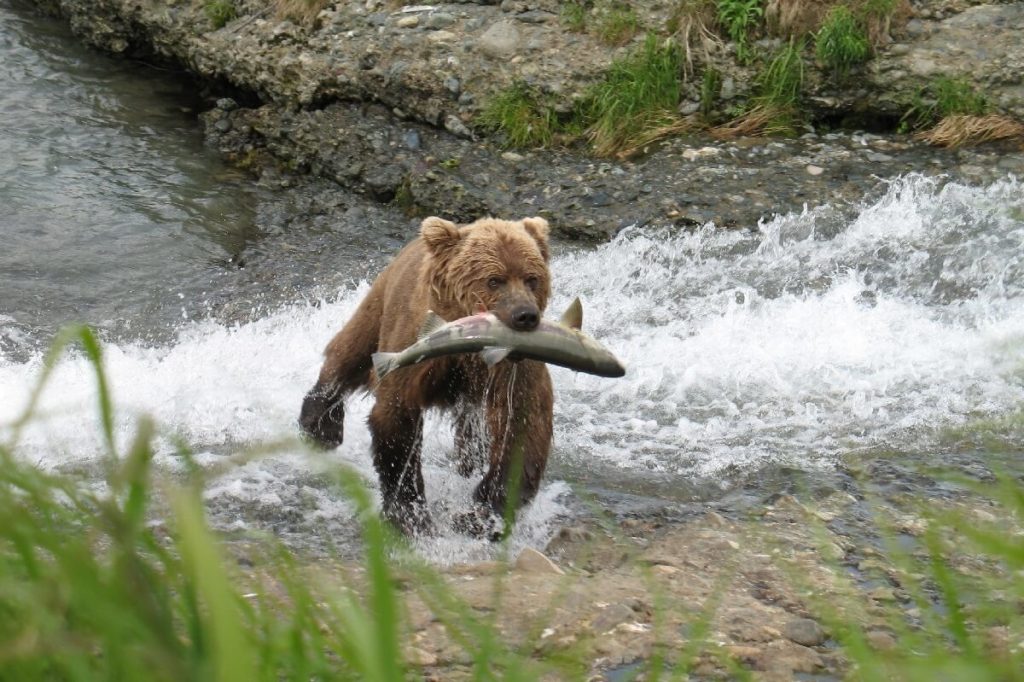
x,y
525,318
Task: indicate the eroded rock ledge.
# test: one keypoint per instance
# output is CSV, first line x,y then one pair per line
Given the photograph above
x,y
382,99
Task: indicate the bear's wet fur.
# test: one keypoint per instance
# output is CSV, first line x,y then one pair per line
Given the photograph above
x,y
495,265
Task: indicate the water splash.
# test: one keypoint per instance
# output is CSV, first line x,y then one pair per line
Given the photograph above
x,y
812,337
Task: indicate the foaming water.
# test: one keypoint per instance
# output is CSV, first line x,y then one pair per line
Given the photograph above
x,y
814,337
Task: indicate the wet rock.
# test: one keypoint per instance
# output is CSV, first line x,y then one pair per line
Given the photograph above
x,y
880,640
532,561
804,631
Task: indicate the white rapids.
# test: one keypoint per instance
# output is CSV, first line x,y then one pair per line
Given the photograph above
x,y
812,337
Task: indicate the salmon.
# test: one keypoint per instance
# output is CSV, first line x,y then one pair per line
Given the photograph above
x,y
559,343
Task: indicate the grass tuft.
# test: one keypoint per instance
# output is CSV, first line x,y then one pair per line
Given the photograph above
x,y
739,18
220,12
617,23
710,90
842,42
574,16
961,130
774,109
521,116
691,23
637,101
299,11
944,96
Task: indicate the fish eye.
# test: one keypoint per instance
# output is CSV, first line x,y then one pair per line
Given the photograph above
x,y
532,282
494,282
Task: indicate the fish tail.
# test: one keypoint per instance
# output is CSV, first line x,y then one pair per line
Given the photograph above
x,y
383,363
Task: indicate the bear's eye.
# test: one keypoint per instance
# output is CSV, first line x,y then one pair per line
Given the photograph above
x,y
532,282
494,282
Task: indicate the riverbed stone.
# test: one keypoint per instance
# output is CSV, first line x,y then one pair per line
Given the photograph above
x,y
438,20
804,631
532,561
500,41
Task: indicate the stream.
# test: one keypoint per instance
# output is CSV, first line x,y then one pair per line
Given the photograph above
x,y
780,354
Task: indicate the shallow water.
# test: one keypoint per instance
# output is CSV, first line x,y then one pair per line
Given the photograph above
x,y
796,345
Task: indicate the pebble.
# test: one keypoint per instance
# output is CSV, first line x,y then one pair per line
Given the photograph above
x,y
453,85
436,20
441,36
411,139
880,640
408,22
535,17
814,170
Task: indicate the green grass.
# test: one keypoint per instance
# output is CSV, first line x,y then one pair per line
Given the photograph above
x,y
842,42
638,97
574,16
710,89
738,19
944,96
616,23
219,12
774,109
782,80
520,115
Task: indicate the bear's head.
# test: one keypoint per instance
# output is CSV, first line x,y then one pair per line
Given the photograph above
x,y
495,265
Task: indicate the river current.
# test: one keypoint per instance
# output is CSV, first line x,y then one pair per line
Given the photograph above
x,y
805,343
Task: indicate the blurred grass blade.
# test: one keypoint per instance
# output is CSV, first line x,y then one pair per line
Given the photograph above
x,y
233,653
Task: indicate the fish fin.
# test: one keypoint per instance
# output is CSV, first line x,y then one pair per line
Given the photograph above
x,y
494,355
431,323
383,363
573,315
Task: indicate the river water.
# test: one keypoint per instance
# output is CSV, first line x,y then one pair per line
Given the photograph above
x,y
808,343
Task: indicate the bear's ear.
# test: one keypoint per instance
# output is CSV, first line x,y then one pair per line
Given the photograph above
x,y
439,234
538,229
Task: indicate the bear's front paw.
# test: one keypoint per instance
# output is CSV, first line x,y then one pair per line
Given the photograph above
x,y
479,522
322,418
412,520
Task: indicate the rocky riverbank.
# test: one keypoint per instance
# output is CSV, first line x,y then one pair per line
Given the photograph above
x,y
383,100
774,593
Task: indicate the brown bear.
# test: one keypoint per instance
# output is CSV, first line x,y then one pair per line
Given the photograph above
x,y
495,265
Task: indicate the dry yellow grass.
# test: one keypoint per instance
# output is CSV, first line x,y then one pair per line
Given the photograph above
x,y
640,143
964,129
692,24
299,11
762,120
799,17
